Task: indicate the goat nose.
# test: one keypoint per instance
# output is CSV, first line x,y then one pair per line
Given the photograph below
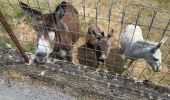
x,y
157,70
41,54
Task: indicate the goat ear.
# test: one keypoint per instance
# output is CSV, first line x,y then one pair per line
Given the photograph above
x,y
164,40
32,12
110,33
60,10
159,44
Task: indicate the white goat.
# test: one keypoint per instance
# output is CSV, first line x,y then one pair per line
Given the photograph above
x,y
135,46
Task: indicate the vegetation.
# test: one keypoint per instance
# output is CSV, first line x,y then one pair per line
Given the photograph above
x,y
19,21
4,41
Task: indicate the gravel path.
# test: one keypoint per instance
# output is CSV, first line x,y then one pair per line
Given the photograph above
x,y
23,91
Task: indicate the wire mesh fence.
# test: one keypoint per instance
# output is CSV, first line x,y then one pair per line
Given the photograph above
x,y
60,26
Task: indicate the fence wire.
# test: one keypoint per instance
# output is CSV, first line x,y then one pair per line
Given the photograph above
x,y
110,14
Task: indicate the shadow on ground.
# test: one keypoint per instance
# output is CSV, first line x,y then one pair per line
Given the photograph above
x,y
114,62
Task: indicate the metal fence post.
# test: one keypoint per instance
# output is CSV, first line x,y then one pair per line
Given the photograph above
x,y
13,37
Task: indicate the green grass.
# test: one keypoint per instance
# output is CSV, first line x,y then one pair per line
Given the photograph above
x,y
4,41
30,47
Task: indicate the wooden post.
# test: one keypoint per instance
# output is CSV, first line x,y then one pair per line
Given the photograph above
x,y
13,37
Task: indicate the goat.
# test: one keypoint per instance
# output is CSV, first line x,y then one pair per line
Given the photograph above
x,y
135,47
99,40
57,31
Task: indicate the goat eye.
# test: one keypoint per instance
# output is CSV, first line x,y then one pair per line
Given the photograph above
x,y
109,36
155,59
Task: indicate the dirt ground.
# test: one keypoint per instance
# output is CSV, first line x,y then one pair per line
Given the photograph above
x,y
68,81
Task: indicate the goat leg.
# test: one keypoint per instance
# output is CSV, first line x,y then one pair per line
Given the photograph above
x,y
127,65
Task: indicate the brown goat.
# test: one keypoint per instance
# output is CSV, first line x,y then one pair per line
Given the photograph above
x,y
57,31
98,39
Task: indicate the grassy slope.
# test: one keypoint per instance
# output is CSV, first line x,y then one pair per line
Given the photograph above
x,y
22,27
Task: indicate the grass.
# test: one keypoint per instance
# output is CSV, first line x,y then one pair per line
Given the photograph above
x,y
4,41
20,22
30,47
